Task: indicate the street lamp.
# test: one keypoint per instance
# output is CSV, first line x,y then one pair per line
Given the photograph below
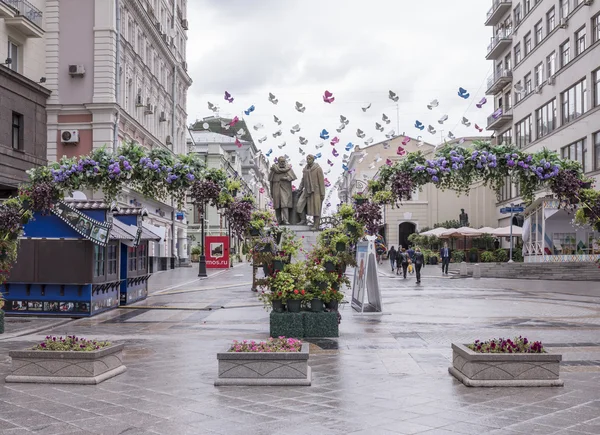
x,y
202,260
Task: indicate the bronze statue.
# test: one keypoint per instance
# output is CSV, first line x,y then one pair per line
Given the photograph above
x,y
312,190
463,218
281,176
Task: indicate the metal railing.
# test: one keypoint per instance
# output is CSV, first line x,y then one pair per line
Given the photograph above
x,y
499,113
496,4
504,73
27,10
497,39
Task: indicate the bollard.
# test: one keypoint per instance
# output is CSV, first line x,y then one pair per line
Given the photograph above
x,y
463,269
476,271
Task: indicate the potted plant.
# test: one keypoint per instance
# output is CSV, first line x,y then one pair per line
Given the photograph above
x,y
195,253
340,242
256,227
473,255
354,228
233,186
279,261
346,211
331,297
458,256
295,298
383,197
316,304
330,263
374,186
500,255
360,198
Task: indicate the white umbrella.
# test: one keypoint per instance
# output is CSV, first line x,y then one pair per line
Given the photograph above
x,y
434,232
505,231
461,232
486,230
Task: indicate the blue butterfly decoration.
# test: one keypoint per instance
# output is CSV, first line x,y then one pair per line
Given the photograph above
x,y
324,134
344,167
419,125
250,110
463,93
318,156
349,146
269,152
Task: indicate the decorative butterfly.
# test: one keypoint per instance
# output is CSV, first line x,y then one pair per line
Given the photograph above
x,y
302,140
344,120
361,134
301,151
406,140
372,165
367,107
238,143
386,145
393,96
443,119
228,97
400,151
388,162
419,125
281,146
262,139
378,126
300,107
212,107
324,134
420,142
430,129
369,141
319,145
340,128
225,125
481,103
295,129
240,132
465,122
249,110
318,156
335,153
329,162
234,121
461,141
391,134
334,141
277,133
463,93
385,118
434,103
328,97
273,99
277,120
258,126
478,128
269,152
451,136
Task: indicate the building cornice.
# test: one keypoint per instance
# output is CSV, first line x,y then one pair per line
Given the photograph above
x,y
24,81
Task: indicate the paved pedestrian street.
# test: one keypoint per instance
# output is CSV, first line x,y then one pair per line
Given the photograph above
x,y
386,374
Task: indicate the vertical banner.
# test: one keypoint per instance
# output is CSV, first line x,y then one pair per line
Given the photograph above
x,y
216,249
366,278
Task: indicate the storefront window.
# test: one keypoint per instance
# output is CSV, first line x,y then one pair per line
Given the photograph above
x,y
132,254
564,243
112,259
99,261
142,257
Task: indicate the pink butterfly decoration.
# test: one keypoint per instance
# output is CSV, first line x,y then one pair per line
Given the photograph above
x,y
328,97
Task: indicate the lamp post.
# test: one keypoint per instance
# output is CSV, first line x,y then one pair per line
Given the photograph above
x,y
202,260
230,244
510,256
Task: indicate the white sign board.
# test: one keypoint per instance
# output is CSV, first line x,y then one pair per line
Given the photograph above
x,y
366,278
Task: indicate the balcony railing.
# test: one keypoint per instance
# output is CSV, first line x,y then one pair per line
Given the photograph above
x,y
499,118
27,10
498,44
497,11
498,80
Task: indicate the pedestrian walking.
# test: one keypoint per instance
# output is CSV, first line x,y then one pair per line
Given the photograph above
x,y
411,254
403,260
445,254
392,257
419,263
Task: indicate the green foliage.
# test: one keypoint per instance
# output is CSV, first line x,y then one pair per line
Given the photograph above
x,y
70,343
346,211
195,250
448,224
501,255
383,197
487,257
517,255
458,256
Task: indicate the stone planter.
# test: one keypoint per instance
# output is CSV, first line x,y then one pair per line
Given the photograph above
x,y
277,368
505,369
48,367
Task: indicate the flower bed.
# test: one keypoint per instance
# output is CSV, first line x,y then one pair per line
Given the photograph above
x,y
505,363
253,364
69,360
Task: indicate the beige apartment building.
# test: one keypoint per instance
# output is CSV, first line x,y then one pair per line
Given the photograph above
x,y
546,80
428,206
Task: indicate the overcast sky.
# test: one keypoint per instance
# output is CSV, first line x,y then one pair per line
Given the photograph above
x,y
297,49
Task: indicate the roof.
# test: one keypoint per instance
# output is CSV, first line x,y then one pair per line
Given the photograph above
x,y
149,235
130,211
120,231
91,204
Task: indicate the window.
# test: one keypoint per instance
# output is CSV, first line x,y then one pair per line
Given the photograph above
x,y
565,53
551,64
564,243
523,132
508,62
506,137
517,53
518,94
596,28
506,189
112,259
507,101
580,41
596,137
98,261
13,55
132,254
551,20
545,119
539,32
528,84
538,73
17,131
518,15
596,78
526,6
576,151
574,103
142,257
563,7
527,43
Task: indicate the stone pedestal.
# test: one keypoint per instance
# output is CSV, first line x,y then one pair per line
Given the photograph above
x,y
295,217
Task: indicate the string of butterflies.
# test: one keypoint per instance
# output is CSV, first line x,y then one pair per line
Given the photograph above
x,y
325,135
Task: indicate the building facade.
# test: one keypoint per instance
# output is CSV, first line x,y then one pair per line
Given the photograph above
x,y
245,163
117,71
429,206
22,92
546,80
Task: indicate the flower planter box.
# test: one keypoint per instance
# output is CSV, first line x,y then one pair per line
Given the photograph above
x,y
264,368
304,324
1,322
49,367
476,369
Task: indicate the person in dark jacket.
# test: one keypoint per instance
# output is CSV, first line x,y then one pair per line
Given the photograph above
x,y
419,263
402,260
445,255
392,257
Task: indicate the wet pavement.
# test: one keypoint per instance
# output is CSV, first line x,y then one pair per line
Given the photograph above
x,y
386,374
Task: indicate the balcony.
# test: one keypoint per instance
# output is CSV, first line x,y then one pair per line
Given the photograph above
x,y
499,44
499,119
22,16
497,11
498,81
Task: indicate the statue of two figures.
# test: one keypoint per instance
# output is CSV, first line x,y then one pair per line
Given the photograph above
x,y
311,191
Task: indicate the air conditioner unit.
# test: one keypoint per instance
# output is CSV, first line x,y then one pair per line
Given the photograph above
x,y
76,70
69,136
550,80
538,89
149,109
168,140
162,118
563,23
138,101
185,24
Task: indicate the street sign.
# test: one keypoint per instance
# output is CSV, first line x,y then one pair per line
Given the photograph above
x,y
506,210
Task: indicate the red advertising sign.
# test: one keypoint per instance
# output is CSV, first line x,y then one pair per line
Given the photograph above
x,y
217,252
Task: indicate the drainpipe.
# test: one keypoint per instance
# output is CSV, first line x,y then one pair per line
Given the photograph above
x,y
174,97
118,75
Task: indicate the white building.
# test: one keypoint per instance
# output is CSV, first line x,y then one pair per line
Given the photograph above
x,y
117,71
546,80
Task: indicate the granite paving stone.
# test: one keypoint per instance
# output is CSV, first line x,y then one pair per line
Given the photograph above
x,y
385,374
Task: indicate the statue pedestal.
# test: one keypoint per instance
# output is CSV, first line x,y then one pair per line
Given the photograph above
x,y
306,235
295,217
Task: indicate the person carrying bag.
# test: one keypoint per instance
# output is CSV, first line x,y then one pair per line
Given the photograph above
x,y
402,261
